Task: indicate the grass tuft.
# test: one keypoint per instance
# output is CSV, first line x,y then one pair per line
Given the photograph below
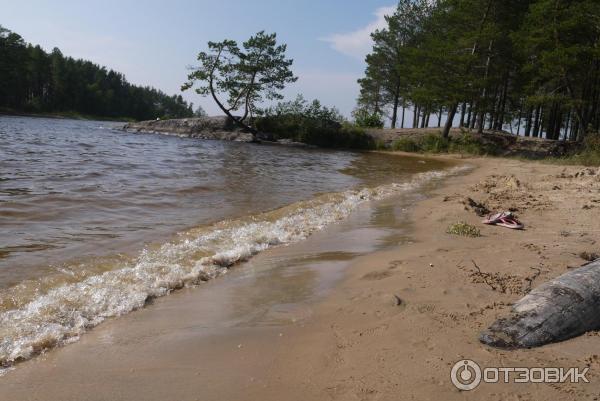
x,y
463,229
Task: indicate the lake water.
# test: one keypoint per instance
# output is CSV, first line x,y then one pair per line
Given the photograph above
x,y
94,221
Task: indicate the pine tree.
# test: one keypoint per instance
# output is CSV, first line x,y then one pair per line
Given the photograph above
x,y
259,70
560,45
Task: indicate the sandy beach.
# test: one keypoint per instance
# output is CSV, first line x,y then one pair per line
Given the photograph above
x,y
391,328
300,201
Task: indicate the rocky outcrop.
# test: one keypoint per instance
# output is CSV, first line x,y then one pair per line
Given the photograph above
x,y
220,128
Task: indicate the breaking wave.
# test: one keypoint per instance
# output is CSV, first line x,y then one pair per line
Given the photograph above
x,y
32,321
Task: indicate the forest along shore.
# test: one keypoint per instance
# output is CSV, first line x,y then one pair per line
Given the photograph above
x,y
421,140
397,322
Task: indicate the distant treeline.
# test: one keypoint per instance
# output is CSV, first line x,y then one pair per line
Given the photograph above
x,y
32,80
485,64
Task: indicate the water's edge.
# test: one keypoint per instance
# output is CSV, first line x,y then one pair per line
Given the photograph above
x,y
63,313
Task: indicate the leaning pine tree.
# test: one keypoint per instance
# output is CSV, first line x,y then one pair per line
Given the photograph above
x,y
246,76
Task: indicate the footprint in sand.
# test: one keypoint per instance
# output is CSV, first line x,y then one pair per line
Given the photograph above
x,y
377,275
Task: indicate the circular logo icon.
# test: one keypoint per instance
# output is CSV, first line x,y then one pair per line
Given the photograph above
x,y
465,375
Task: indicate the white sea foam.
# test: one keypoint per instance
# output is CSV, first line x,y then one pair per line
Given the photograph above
x,y
65,312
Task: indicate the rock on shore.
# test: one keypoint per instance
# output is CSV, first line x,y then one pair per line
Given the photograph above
x,y
221,128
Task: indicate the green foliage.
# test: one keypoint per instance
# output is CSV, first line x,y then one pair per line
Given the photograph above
x,y
584,158
463,229
390,66
592,142
588,154
466,143
311,123
257,71
407,144
470,144
531,60
200,112
363,118
344,137
430,143
32,80
380,145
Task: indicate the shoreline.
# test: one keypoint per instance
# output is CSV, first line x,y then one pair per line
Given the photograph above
x,y
401,319
397,321
63,116
68,308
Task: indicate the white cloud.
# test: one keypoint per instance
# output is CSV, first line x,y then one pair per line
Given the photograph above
x,y
358,43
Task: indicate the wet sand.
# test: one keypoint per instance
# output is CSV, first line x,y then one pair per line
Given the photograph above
x,y
333,329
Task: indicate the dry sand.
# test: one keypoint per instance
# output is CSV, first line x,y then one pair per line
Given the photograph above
x,y
390,330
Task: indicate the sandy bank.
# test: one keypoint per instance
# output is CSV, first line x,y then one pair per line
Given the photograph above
x,y
391,329
362,345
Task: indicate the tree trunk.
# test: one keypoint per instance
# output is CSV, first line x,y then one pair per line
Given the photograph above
x,y
395,111
238,121
469,116
520,117
484,93
503,105
528,122
558,124
480,122
462,115
575,130
415,116
567,125
473,118
449,121
552,122
595,98
403,109
536,128
582,125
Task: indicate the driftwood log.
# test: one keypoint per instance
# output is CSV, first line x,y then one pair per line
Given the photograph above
x,y
562,308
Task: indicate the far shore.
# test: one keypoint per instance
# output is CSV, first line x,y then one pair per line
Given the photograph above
x,y
396,323
490,142
61,116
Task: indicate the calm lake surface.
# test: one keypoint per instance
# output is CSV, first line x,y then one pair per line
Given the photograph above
x,y
94,220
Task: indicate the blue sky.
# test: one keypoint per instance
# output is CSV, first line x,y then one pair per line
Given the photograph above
x,y
152,42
